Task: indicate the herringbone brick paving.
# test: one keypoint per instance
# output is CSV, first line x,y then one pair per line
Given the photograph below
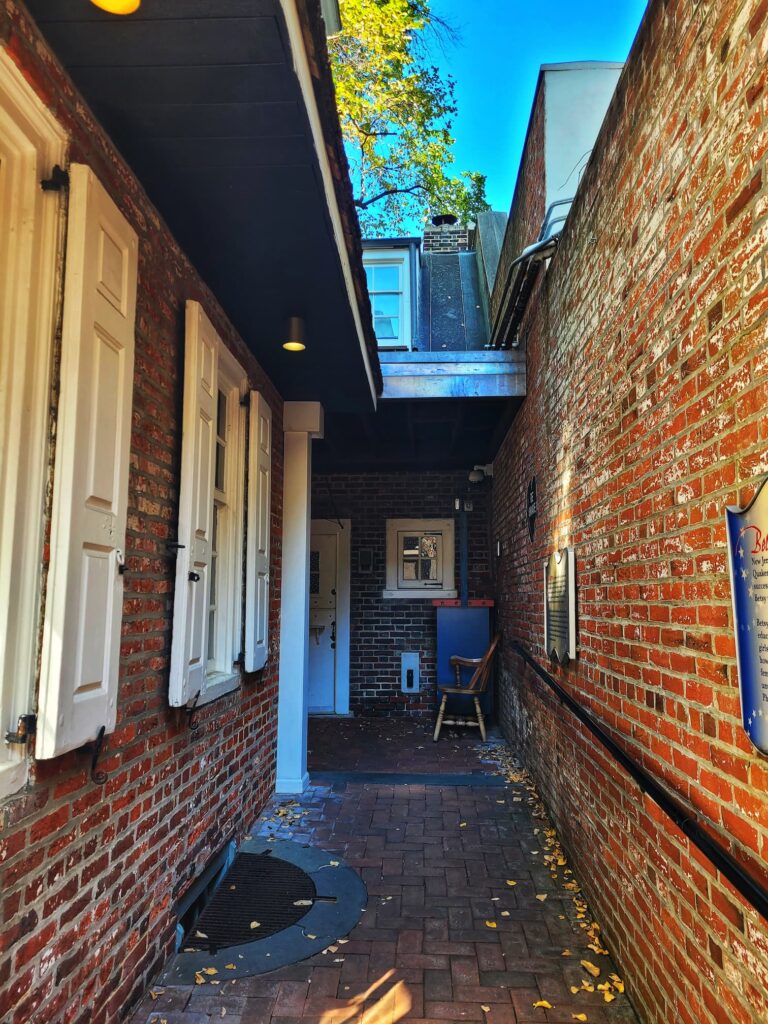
x,y
436,861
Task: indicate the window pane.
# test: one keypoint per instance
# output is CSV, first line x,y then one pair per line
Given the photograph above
x,y
211,635
429,546
387,329
386,279
221,415
428,569
410,546
409,569
386,305
369,277
219,466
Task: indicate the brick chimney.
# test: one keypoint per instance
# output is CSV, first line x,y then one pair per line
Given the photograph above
x,y
445,236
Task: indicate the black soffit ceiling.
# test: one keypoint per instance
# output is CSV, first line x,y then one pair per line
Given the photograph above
x,y
201,98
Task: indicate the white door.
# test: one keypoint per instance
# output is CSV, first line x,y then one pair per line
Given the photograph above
x,y
323,571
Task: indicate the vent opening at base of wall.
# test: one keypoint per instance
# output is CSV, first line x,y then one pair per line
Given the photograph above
x,y
193,902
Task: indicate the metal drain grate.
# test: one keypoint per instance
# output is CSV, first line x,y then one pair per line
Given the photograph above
x,y
260,888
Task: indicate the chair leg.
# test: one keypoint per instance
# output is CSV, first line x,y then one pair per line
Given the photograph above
x,y
440,716
480,719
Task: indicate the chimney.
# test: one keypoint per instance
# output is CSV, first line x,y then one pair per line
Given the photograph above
x,y
445,234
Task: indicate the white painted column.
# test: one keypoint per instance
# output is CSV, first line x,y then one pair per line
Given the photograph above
x,y
302,421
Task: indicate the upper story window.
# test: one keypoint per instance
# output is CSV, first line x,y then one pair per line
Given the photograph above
x,y
388,275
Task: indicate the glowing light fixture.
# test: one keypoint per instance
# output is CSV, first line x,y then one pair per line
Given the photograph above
x,y
117,6
295,340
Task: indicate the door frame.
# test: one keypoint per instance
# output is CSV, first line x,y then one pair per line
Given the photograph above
x,y
342,530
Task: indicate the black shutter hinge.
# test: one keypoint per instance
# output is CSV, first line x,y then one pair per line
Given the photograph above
x,y
25,730
58,180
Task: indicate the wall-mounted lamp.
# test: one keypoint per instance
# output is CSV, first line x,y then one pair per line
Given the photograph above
x,y
117,6
295,341
478,473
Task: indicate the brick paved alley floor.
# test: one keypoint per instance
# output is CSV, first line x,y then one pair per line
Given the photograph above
x,y
464,920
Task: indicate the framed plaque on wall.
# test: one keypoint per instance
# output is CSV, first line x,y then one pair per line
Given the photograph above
x,y
560,605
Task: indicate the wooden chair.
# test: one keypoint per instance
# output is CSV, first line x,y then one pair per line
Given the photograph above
x,y
475,688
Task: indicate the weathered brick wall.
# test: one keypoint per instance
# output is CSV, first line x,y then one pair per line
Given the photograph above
x,y
527,211
647,414
90,873
445,238
382,628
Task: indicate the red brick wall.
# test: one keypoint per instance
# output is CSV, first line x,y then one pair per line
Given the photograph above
x,y
90,873
647,414
527,211
382,628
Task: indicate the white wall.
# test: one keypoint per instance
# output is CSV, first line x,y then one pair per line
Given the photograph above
x,y
576,97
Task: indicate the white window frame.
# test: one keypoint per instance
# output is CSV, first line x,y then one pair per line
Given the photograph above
x,y
225,675
399,258
38,143
414,590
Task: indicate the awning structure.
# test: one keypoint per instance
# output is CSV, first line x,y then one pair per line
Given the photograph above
x,y
224,110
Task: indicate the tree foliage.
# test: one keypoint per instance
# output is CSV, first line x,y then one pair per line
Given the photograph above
x,y
396,114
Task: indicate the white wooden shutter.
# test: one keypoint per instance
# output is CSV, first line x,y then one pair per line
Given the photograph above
x,y
259,511
198,449
84,604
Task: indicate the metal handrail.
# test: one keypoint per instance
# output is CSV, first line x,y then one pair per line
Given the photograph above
x,y
752,891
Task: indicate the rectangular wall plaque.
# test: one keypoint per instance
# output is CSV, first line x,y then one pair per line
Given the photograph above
x,y
747,530
560,605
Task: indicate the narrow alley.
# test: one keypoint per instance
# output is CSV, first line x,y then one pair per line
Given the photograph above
x,y
473,913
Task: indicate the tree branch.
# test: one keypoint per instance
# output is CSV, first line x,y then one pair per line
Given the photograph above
x,y
363,204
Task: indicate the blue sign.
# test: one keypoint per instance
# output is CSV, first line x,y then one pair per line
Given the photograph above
x,y
747,530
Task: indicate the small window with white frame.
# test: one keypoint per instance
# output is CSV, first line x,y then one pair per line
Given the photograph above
x,y
420,558
387,273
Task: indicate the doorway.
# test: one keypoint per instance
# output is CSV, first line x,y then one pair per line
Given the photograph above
x,y
329,559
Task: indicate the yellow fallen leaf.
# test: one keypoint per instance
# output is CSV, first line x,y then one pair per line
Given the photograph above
x,y
505,913
302,903
608,997
255,924
511,882
575,989
201,935
230,967
484,1008
491,924
618,984
199,979
462,824
579,1016
210,970
308,936
541,896
543,1004
334,863
594,971
566,952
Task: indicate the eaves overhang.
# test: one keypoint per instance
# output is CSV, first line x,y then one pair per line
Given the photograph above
x,y
224,110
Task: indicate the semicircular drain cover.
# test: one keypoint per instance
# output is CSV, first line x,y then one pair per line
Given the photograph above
x,y
257,888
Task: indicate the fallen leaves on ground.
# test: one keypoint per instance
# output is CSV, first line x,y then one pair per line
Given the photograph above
x,y
594,971
491,924
543,1004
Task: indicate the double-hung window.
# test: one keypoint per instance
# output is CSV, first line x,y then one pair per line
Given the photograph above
x,y
207,622
387,274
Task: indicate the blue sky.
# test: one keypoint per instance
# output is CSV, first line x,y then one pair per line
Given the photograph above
x,y
496,62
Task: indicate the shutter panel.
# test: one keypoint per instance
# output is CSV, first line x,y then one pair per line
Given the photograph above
x,y
84,604
259,511
198,449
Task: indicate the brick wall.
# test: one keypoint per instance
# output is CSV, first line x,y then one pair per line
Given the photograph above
x,y
90,873
381,628
528,209
646,415
445,238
